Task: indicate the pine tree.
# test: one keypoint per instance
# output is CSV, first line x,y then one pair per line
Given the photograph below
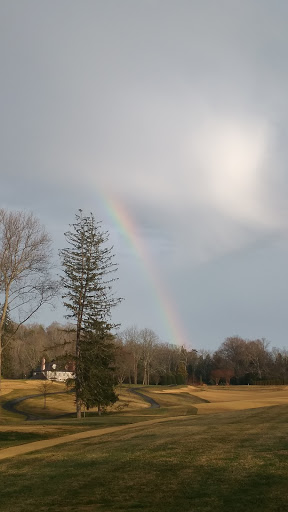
x,y
96,378
87,282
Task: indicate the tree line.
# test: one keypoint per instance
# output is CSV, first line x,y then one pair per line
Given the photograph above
x,y
140,357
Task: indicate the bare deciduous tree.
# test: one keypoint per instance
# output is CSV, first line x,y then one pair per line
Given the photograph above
x,y
25,264
148,340
130,338
123,361
45,387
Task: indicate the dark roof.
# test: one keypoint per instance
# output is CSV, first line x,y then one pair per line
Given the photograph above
x,y
60,366
39,376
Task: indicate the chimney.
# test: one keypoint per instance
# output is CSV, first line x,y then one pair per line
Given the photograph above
x,y
43,364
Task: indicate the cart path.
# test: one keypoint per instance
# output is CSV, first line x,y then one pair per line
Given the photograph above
x,y
11,406
151,401
21,449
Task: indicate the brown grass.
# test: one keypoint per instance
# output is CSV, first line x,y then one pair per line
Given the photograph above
x,y
23,386
232,398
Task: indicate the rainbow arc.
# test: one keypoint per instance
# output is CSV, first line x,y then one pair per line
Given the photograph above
x,y
168,309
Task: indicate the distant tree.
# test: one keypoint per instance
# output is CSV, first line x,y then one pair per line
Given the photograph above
x,y
45,387
260,360
148,340
204,366
161,362
181,375
25,264
191,365
222,373
216,375
232,354
280,363
87,282
131,339
123,361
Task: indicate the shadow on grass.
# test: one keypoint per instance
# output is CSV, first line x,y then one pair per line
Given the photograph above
x,y
13,438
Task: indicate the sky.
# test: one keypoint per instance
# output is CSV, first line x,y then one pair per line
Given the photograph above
x,y
168,120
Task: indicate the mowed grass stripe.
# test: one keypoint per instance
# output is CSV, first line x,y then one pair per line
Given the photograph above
x,y
233,461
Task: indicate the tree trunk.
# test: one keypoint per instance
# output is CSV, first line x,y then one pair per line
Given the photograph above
x,y
144,382
78,408
99,410
0,363
2,322
135,372
77,350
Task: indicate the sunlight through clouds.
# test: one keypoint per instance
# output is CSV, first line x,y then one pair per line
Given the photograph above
x,y
229,156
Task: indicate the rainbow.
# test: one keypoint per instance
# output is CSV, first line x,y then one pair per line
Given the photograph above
x,y
168,310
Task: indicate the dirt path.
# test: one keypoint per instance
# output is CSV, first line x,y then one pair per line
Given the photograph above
x,y
13,451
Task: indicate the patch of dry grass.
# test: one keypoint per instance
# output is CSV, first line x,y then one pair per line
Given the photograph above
x,y
24,387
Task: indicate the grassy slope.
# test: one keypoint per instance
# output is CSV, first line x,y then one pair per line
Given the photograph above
x,y
233,461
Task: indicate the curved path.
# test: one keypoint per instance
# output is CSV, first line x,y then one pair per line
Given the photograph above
x,y
11,406
153,403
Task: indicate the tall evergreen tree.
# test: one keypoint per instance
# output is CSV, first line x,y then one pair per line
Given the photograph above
x,y
96,378
87,282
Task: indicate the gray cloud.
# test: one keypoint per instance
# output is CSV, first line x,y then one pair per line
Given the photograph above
x,y
179,111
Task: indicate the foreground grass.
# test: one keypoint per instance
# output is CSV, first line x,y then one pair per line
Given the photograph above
x,y
233,461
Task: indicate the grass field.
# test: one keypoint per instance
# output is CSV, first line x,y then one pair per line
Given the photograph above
x,y
215,461
235,462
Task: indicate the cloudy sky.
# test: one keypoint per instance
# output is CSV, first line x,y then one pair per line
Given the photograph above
x,y
174,113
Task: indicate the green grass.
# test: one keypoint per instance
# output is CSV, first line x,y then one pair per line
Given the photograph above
x,y
234,461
